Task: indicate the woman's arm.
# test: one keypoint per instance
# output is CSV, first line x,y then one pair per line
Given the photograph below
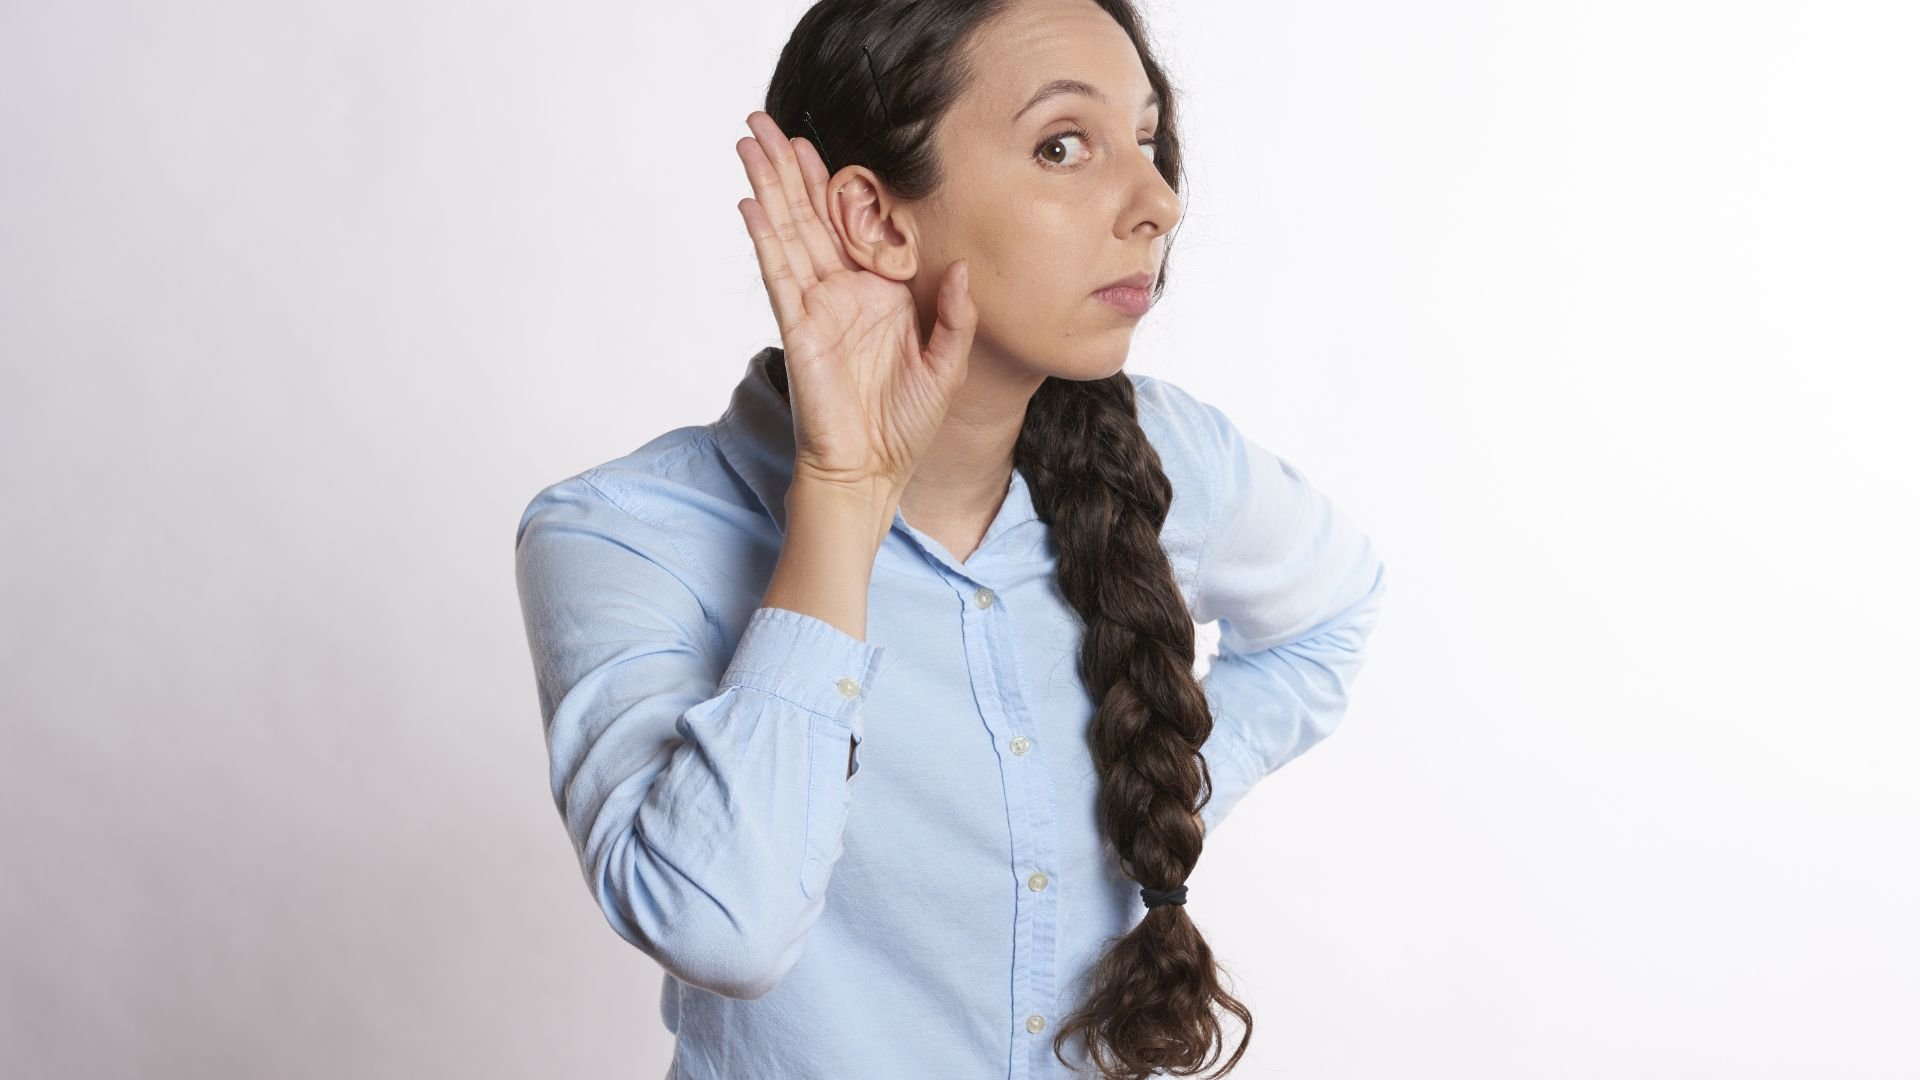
x,y
705,792
1297,587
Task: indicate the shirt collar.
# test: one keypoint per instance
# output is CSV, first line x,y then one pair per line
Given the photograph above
x,y
755,435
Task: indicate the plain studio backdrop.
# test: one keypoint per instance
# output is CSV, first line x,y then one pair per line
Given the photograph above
x,y
1599,318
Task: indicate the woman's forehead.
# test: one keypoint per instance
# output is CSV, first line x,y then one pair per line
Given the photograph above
x,y
1063,49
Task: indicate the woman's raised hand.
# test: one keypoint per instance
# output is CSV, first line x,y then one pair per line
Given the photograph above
x,y
867,396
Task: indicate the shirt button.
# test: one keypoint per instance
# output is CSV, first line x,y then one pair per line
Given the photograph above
x,y
1036,1023
1020,745
849,688
1037,882
984,598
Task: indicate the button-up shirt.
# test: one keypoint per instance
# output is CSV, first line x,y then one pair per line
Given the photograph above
x,y
873,859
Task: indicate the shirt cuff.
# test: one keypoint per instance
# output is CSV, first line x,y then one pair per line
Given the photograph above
x,y
805,660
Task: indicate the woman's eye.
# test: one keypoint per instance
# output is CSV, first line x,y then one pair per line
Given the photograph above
x,y
1045,150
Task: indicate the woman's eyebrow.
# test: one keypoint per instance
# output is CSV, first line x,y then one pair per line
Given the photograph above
x,y
1076,86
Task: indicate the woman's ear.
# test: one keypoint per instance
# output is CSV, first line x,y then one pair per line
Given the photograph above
x,y
874,229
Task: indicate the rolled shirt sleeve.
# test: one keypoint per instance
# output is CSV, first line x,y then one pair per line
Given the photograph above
x,y
1297,589
704,783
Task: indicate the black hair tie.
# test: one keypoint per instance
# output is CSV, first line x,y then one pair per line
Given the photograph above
x,y
1157,897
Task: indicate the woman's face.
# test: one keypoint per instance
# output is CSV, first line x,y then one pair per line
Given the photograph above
x,y
1046,216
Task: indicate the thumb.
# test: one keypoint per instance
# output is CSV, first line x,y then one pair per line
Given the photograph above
x,y
955,318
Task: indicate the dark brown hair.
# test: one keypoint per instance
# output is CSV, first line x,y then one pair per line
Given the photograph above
x,y
867,81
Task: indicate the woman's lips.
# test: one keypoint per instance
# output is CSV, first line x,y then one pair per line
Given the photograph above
x,y
1133,301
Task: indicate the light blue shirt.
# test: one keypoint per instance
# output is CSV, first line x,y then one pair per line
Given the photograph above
x,y
935,913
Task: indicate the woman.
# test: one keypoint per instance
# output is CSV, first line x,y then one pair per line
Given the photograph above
x,y
871,704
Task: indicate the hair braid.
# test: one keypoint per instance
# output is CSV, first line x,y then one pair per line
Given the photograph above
x,y
1098,483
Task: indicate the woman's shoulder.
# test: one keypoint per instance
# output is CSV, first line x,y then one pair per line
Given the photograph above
x,y
683,465
1171,412
1183,428
1178,426
674,493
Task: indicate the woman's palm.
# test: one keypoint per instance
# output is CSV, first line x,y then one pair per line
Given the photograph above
x,y
867,395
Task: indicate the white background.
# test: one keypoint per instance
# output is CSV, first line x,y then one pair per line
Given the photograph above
x,y
1600,318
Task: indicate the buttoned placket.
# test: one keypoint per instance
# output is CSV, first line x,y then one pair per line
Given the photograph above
x,y
992,646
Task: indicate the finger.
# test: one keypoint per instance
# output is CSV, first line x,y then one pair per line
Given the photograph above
x,y
779,232
774,199
782,291
814,168
807,209
955,318
795,216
